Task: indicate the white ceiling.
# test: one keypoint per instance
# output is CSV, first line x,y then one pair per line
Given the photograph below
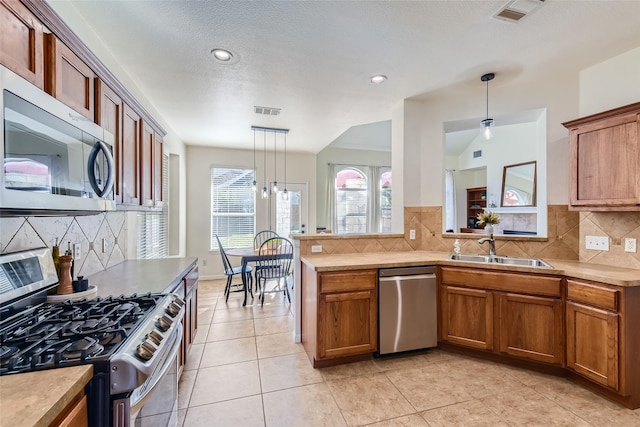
x,y
313,59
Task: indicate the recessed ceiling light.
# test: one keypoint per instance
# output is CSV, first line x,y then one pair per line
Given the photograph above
x,y
222,55
377,79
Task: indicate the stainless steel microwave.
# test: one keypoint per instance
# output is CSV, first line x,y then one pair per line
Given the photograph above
x,y
53,158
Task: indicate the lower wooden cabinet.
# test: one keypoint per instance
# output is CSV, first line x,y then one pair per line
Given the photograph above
x,y
592,343
75,414
339,314
187,289
490,311
467,317
531,327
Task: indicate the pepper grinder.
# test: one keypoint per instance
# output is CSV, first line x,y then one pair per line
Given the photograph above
x,y
65,283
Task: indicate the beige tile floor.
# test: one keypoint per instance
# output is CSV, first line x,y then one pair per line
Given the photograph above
x,y
245,370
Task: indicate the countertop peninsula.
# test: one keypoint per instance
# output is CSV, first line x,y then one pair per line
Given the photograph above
x,y
142,276
36,398
582,270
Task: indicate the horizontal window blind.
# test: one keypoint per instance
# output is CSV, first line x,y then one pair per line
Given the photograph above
x,y
232,207
153,227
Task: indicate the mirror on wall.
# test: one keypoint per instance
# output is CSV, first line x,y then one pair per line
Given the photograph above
x,y
475,166
519,185
363,203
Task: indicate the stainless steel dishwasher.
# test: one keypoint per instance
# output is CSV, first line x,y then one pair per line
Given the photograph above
x,y
407,309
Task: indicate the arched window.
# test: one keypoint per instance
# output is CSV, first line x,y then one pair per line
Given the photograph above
x,y
384,224
352,201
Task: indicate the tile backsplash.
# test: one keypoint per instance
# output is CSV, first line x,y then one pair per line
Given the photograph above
x,y
90,231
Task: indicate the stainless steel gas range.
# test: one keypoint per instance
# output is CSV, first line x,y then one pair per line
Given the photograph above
x,y
132,341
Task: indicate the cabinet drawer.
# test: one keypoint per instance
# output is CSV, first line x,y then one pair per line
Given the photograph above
x,y
348,281
508,282
593,295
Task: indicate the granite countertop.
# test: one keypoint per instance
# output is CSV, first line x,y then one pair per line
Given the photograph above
x,y
582,270
142,276
56,388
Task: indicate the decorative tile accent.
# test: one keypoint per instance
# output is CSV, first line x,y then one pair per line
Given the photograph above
x,y
22,233
562,243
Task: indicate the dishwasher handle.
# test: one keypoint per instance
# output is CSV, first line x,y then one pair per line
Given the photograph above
x,y
412,277
406,271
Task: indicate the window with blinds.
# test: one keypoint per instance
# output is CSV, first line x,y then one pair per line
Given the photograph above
x,y
233,202
153,227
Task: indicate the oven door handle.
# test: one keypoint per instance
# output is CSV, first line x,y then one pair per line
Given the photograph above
x,y
137,405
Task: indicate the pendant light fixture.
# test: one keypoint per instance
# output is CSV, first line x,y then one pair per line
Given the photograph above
x,y
275,165
285,193
487,124
254,184
265,192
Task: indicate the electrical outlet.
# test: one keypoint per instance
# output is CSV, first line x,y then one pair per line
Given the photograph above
x,y
412,234
630,244
598,243
77,251
316,248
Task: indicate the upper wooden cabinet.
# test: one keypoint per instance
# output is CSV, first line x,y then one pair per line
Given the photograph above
x,y
130,160
158,197
604,157
147,143
109,112
21,42
68,78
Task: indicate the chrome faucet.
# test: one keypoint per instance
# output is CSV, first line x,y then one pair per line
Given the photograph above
x,y
492,244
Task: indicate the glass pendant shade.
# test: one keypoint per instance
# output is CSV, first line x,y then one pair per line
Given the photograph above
x,y
265,193
275,187
285,194
487,125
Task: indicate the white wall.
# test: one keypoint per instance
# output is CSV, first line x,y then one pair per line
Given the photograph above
x,y
558,93
610,84
301,168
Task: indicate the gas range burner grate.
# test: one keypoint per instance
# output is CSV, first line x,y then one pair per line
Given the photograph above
x,y
72,332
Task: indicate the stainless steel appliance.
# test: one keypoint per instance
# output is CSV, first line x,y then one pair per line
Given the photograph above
x,y
53,158
132,342
407,309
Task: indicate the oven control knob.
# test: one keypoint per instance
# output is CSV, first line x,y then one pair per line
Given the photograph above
x,y
178,301
164,323
145,350
154,337
173,309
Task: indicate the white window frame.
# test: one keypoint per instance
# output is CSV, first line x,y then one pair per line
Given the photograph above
x,y
244,178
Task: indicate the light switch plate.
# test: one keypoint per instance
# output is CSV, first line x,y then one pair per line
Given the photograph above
x,y
316,248
597,243
630,244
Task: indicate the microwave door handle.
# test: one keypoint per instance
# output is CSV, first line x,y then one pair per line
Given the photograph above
x,y
97,148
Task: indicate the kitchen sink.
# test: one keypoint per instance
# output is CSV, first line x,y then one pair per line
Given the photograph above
x,y
495,259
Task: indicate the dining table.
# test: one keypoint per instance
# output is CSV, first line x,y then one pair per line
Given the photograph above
x,y
250,254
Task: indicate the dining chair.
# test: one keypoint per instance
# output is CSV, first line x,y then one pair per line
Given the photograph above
x,y
230,272
274,265
263,236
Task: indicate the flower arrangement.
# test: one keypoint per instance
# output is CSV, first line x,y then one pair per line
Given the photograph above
x,y
488,217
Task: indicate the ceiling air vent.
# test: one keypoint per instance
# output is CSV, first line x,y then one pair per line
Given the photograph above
x,y
267,111
515,10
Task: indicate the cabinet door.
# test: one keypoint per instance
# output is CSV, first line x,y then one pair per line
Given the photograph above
x,y
592,343
147,143
21,43
531,327
158,199
604,157
109,116
130,160
69,79
76,415
347,323
467,317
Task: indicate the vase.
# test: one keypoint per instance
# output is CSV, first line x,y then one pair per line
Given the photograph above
x,y
488,229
